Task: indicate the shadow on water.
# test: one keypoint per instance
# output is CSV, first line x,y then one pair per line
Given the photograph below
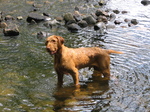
x,y
28,80
77,99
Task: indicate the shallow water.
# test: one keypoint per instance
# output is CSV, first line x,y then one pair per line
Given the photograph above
x,y
28,80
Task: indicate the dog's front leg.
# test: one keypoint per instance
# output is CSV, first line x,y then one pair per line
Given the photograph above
x,y
60,78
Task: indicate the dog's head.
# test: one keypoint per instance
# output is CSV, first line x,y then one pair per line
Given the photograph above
x,y
54,43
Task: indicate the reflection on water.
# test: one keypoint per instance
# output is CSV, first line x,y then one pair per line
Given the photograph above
x,y
73,99
28,80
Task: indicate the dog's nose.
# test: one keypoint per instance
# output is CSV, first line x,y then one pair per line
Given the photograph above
x,y
47,49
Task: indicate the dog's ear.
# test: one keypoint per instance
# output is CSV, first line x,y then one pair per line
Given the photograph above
x,y
60,39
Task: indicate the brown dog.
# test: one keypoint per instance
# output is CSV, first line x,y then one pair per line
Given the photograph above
x,y
69,60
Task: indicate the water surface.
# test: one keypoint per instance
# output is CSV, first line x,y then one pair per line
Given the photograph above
x,y
28,80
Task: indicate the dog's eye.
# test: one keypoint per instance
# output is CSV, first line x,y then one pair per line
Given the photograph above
x,y
53,40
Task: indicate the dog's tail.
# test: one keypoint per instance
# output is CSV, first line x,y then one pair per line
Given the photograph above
x,y
109,51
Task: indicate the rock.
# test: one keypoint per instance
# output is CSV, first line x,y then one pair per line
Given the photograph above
x,y
9,17
46,14
101,13
127,20
41,35
116,11
19,18
100,26
145,2
102,19
117,22
82,24
130,24
14,31
73,27
124,12
59,18
77,16
134,21
90,20
3,25
35,17
69,17
102,2
112,17
51,24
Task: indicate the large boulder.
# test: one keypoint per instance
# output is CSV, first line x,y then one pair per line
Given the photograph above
x,y
35,17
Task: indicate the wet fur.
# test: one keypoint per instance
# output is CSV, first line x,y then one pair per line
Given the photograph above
x,y
69,60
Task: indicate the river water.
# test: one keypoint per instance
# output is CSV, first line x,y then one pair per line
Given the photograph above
x,y
27,77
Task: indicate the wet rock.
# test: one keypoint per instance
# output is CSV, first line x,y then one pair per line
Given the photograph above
x,y
100,26
51,24
41,34
69,17
117,22
82,24
116,11
130,24
13,31
145,2
112,17
3,25
9,17
101,13
124,12
102,19
35,17
59,18
77,16
46,14
127,20
73,27
134,21
102,2
19,18
90,20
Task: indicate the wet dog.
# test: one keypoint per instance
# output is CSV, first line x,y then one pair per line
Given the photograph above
x,y
69,60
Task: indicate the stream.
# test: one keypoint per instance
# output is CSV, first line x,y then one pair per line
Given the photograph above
x,y
28,79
